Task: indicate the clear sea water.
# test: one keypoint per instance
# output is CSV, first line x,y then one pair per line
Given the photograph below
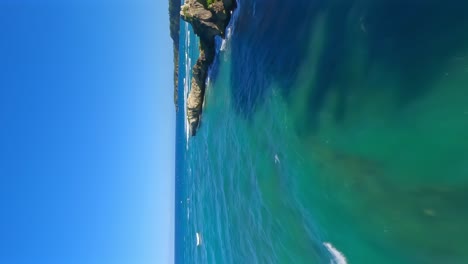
x,y
332,132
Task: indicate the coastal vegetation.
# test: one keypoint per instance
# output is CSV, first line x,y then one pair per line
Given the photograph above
x,y
209,2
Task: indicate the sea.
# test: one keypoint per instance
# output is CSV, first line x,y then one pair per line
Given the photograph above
x,y
332,132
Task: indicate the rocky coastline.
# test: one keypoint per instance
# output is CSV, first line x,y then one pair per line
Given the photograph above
x,y
209,18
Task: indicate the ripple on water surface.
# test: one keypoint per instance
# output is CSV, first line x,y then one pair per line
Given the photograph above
x,y
335,132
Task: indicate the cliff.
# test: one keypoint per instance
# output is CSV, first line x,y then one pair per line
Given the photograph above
x,y
209,19
174,26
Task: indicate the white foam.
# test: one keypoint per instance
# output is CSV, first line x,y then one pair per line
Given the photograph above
x,y
277,160
198,239
226,40
338,257
229,31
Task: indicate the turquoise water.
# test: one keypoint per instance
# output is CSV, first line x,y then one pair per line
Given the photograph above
x,y
332,133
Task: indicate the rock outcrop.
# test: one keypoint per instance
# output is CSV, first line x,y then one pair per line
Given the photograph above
x,y
209,19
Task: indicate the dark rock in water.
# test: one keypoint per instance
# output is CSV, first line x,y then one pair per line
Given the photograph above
x,y
197,93
208,21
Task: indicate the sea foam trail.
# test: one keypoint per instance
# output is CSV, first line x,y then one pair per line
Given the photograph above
x,y
188,63
338,257
225,41
230,30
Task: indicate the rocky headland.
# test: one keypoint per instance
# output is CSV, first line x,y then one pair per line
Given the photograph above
x,y
209,18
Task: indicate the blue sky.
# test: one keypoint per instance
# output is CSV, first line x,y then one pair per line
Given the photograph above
x,y
87,130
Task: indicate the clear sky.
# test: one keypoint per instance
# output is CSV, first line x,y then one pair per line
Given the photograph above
x,y
87,130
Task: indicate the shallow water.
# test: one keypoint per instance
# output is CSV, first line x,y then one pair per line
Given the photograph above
x,y
332,132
